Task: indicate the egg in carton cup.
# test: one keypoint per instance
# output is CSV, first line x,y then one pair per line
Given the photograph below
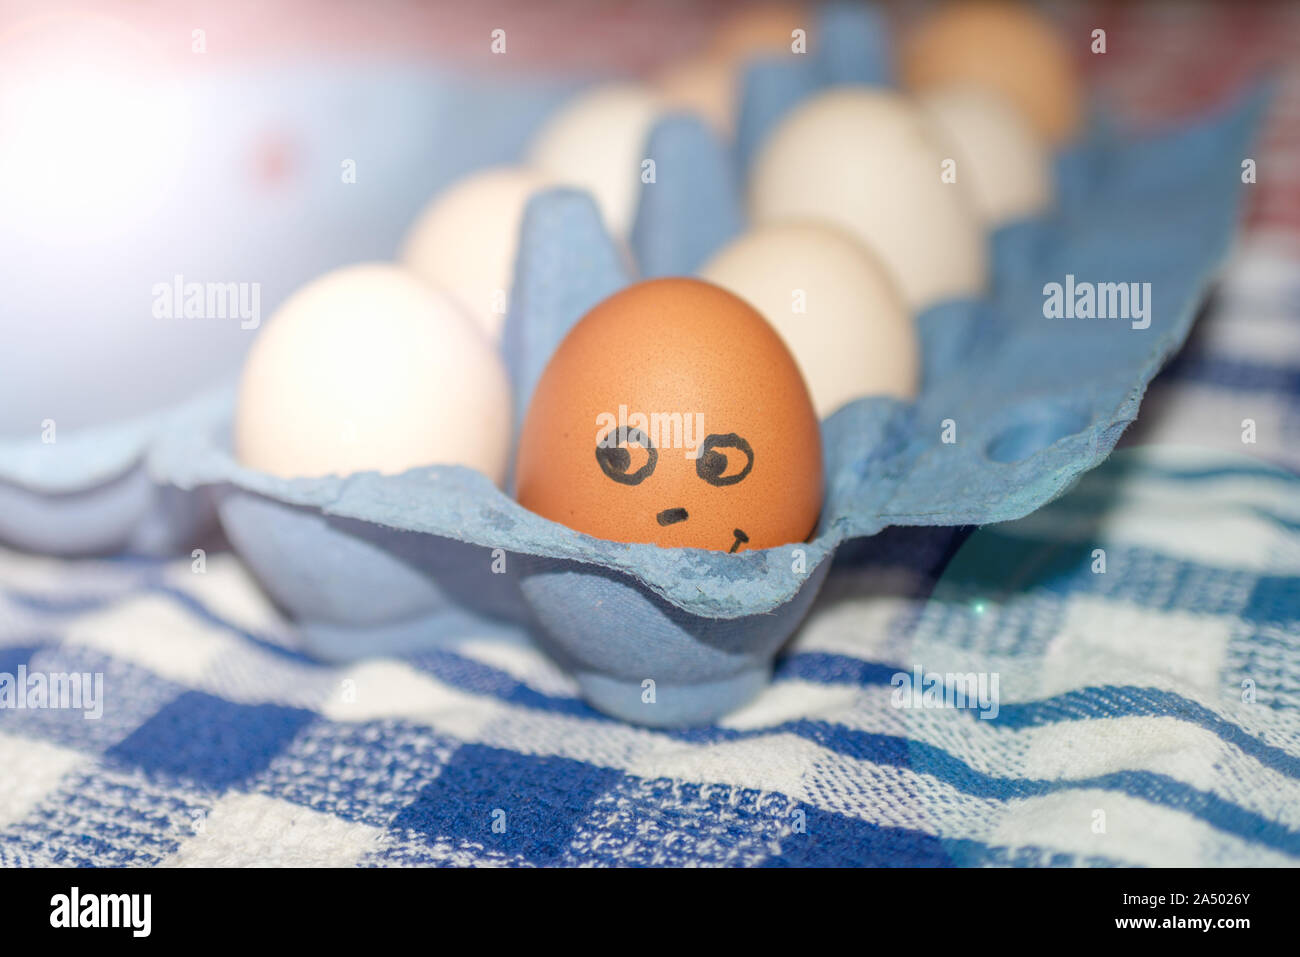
x,y
1015,404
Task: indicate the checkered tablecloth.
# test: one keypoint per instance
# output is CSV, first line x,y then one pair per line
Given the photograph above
x,y
1144,632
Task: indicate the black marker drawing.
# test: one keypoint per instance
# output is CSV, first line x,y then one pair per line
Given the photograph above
x,y
615,460
712,464
671,516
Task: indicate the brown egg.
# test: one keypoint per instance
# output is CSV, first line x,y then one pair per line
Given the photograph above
x,y
673,414
1004,46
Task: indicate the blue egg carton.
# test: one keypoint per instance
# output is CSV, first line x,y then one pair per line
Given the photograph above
x,y
1014,407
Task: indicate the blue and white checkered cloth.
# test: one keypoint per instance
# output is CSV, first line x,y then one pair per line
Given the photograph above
x,y
1144,632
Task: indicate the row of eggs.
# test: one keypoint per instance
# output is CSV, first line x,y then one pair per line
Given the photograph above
x,y
386,367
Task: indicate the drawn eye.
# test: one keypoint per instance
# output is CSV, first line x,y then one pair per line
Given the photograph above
x,y
615,457
724,459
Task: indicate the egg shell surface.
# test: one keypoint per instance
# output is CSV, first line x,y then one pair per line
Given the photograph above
x,y
466,239
368,368
833,303
1005,165
597,142
736,461
865,159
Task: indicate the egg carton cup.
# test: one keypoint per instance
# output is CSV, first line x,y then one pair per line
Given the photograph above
x,y
1014,408
89,491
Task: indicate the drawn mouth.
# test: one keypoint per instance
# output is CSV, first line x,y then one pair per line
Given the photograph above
x,y
741,539
671,516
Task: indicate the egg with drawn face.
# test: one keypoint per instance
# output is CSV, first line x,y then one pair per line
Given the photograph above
x,y
674,414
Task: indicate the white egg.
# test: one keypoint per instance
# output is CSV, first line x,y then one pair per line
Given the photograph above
x,y
466,239
597,142
369,368
1007,169
833,303
865,159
